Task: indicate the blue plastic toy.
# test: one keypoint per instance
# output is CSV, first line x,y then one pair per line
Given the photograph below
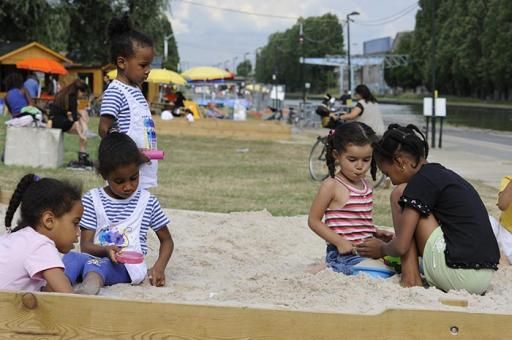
x,y
381,273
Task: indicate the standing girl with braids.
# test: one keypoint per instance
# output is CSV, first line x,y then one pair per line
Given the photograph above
x,y
124,108
29,254
341,212
437,215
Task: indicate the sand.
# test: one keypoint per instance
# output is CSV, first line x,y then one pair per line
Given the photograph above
x,y
258,260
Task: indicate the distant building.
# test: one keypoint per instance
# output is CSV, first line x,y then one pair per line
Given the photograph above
x,y
377,46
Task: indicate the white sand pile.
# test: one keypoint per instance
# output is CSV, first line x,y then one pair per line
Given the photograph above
x,y
255,259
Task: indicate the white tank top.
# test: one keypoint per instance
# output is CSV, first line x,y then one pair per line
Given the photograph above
x,y
372,117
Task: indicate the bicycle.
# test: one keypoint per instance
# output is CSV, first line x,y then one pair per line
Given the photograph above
x,y
318,167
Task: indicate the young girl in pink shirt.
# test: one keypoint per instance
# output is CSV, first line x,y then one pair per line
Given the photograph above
x,y
341,212
29,254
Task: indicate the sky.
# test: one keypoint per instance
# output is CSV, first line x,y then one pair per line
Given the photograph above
x,y
221,33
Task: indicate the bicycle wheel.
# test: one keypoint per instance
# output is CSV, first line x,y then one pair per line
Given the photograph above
x,y
317,167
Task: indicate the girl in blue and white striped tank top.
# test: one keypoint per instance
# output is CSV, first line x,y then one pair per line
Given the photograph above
x,y
116,220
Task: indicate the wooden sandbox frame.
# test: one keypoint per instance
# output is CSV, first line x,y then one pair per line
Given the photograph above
x,y
245,130
63,316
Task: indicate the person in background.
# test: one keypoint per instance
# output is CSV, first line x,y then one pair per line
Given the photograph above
x,y
345,97
31,84
17,96
65,115
213,112
106,82
366,110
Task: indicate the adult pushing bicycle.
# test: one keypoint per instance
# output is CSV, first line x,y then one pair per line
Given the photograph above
x,y
332,117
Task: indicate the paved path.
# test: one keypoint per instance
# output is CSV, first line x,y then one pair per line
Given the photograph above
x,y
475,157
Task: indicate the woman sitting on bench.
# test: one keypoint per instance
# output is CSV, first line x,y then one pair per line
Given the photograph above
x,y
65,116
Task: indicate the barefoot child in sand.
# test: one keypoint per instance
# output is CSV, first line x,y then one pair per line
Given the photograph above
x,y
116,219
124,108
341,212
29,254
439,216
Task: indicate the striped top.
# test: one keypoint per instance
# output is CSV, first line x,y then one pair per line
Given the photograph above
x,y
115,104
118,210
353,221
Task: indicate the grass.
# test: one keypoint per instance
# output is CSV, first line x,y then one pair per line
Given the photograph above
x,y
223,175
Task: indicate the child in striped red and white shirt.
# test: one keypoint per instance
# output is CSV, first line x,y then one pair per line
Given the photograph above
x,y
341,212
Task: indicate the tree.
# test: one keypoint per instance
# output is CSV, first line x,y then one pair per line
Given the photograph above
x,y
34,20
87,40
404,76
244,68
280,57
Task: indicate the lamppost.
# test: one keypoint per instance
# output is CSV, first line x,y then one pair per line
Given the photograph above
x,y
234,64
274,88
348,52
301,42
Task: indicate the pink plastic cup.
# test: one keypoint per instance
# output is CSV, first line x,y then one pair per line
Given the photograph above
x,y
130,257
154,154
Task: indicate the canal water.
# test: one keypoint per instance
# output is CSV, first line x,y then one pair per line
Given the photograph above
x,y
477,117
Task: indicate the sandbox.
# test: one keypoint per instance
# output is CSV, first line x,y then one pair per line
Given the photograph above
x,y
243,275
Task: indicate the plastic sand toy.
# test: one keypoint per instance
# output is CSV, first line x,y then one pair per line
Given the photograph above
x,y
130,257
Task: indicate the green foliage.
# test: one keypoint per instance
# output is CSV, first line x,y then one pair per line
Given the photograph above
x,y
405,76
281,56
34,20
87,40
244,68
473,39
80,26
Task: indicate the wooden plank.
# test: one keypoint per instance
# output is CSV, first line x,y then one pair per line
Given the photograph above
x,y
249,130
62,316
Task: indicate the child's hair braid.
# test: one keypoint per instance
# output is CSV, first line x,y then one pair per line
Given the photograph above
x,y
355,133
115,150
39,195
407,139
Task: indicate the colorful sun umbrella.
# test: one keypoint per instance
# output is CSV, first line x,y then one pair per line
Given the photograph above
x,y
158,75
42,65
206,73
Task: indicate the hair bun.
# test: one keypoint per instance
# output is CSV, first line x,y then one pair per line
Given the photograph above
x,y
120,25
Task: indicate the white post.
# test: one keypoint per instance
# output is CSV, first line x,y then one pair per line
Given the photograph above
x,y
166,45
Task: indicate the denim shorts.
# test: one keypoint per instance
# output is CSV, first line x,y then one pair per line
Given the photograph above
x,y
77,265
341,263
